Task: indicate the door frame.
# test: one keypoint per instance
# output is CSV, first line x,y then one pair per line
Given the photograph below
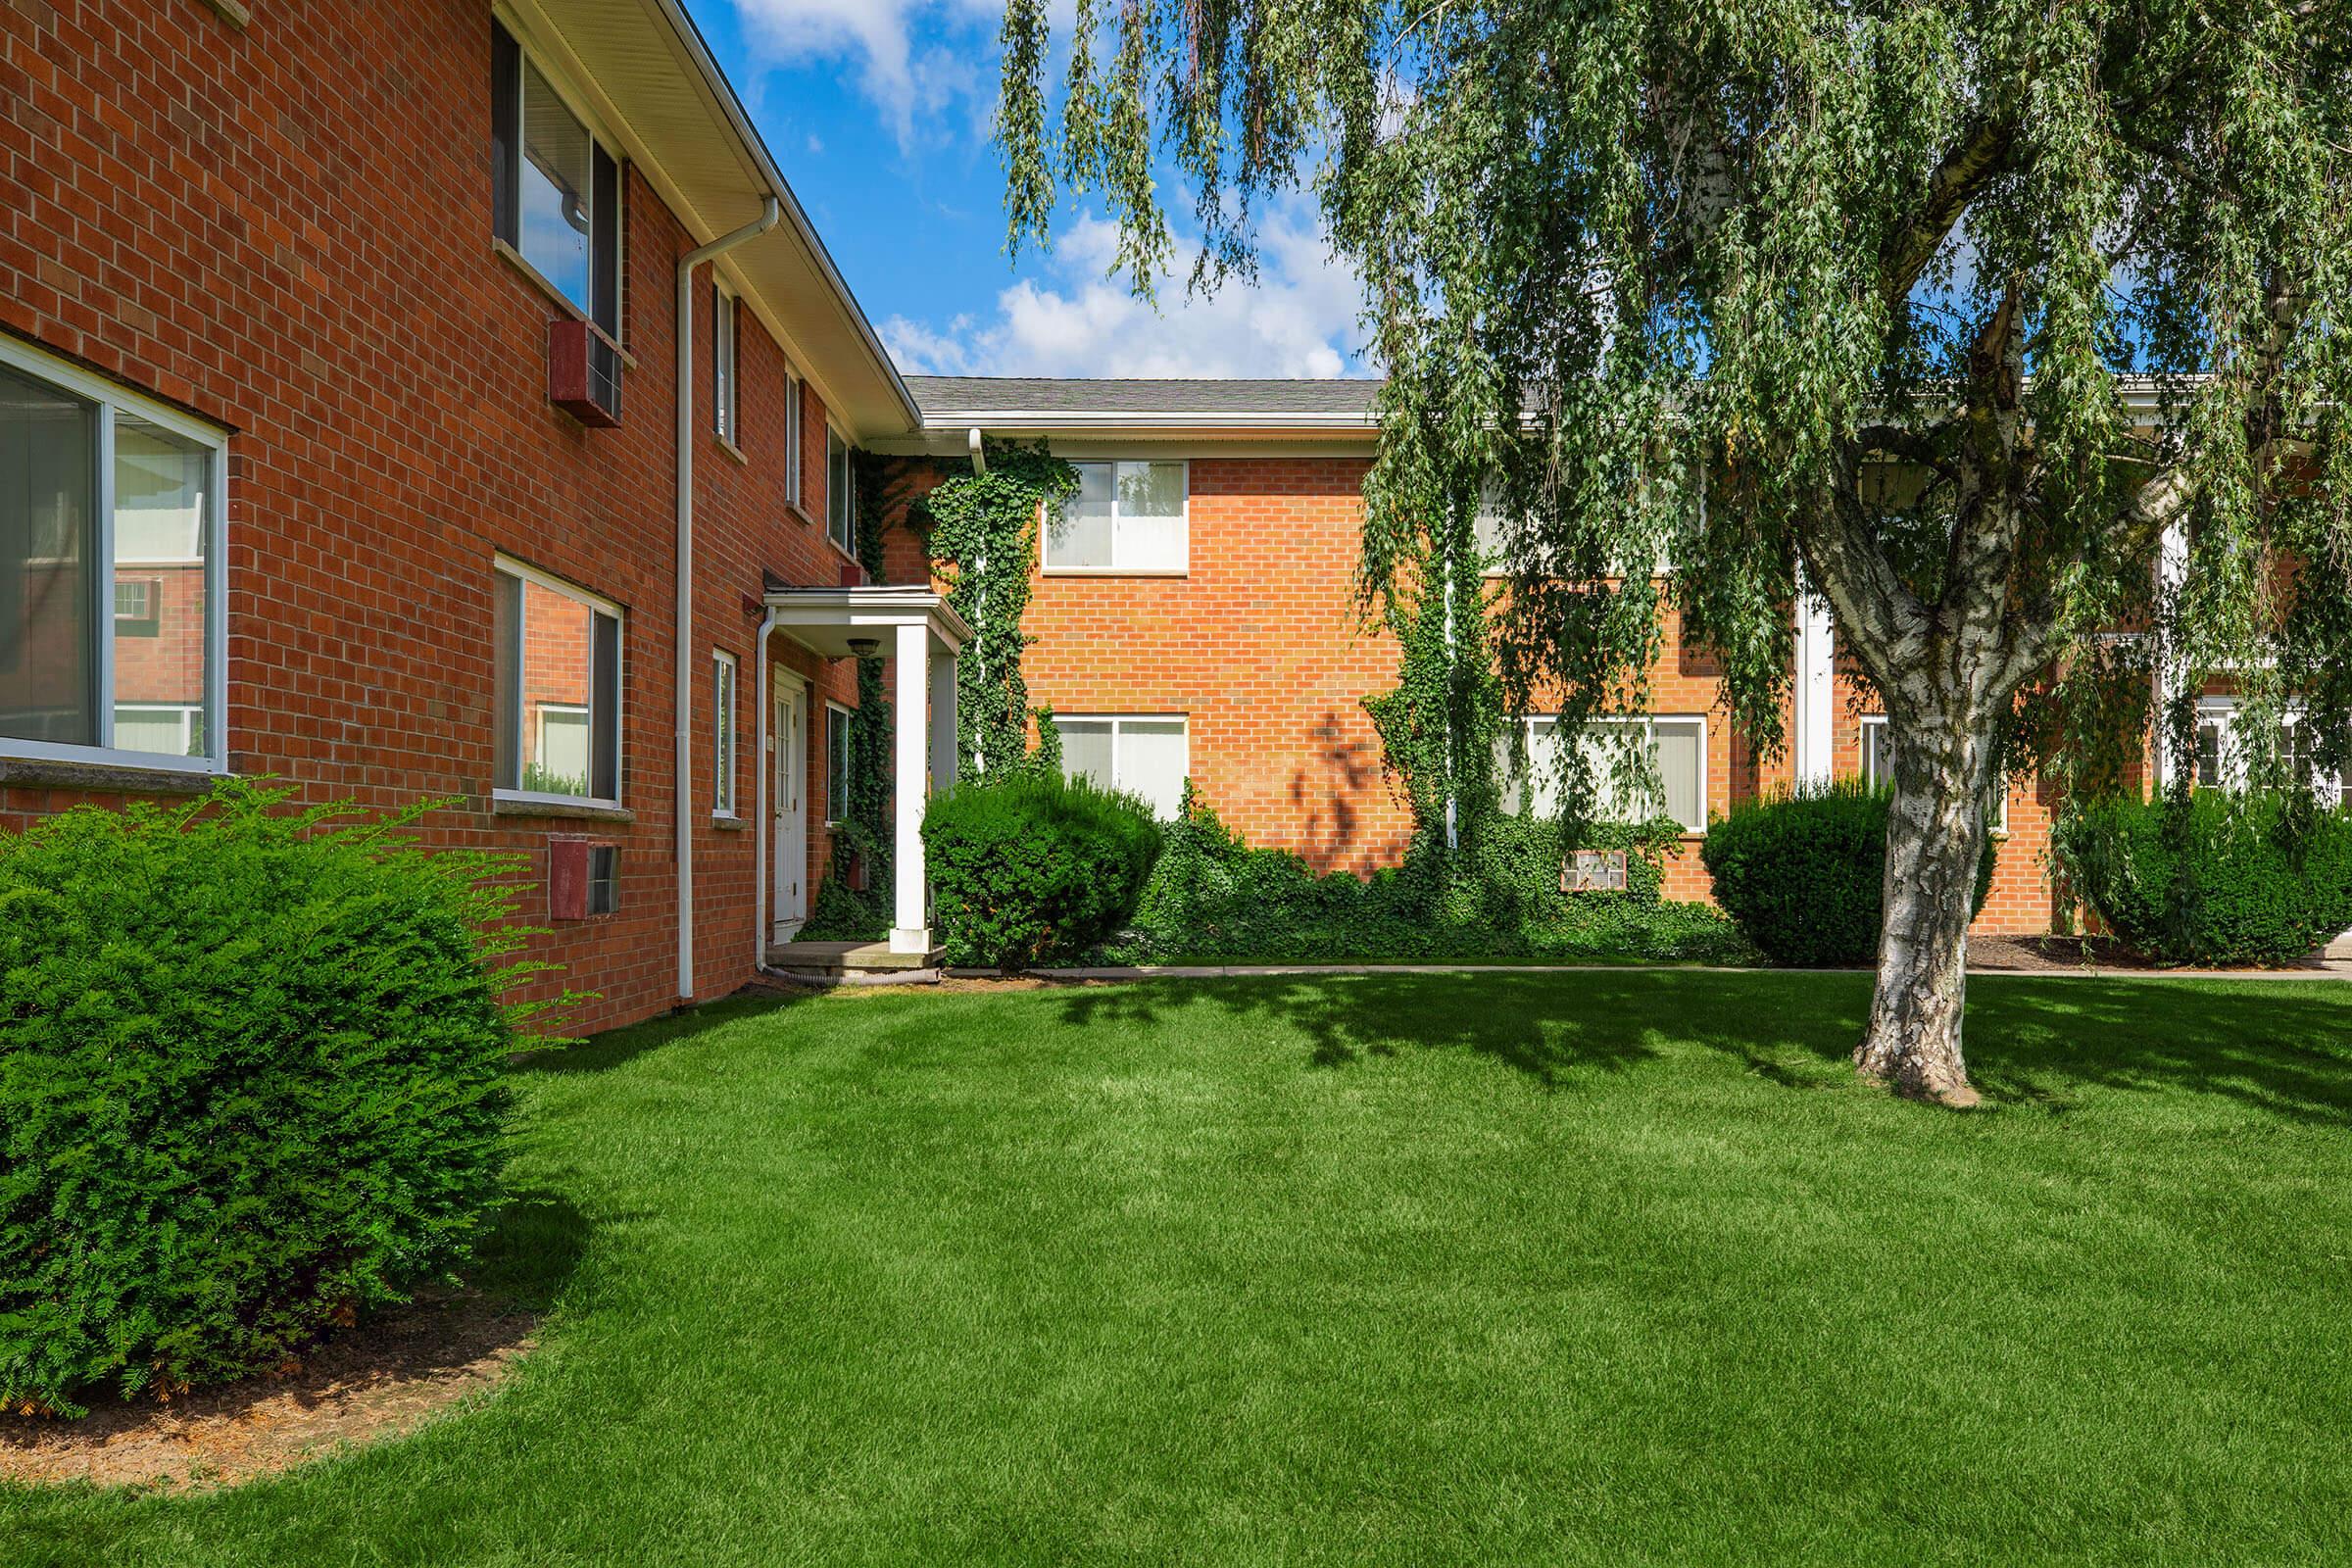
x,y
788,798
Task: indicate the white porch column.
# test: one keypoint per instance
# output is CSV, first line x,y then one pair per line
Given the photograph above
x,y
1816,686
944,766
910,687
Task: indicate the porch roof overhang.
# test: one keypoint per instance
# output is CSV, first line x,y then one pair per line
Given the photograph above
x,y
826,621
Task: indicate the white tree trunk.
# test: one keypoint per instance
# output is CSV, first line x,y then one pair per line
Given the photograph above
x,y
1935,834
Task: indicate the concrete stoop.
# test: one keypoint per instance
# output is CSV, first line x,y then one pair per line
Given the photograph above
x,y
851,963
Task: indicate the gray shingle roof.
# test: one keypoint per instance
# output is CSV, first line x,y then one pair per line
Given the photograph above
x,y
940,395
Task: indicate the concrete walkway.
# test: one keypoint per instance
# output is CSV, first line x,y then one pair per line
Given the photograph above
x,y
2316,969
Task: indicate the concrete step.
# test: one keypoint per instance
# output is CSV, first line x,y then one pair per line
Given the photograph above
x,y
846,958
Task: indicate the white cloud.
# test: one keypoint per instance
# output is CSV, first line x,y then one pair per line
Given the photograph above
x,y
1300,318
913,58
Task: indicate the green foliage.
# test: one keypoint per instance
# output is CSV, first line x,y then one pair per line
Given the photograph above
x,y
983,541
1032,867
1804,873
249,1084
1213,898
2214,877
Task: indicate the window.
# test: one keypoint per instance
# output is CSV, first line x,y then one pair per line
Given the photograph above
x,y
603,878
791,437
1126,517
1878,767
841,500
2223,762
86,647
559,690
837,764
722,367
555,193
1146,756
722,734
1674,753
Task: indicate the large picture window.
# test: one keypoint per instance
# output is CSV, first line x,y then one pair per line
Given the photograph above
x,y
111,632
559,690
1148,756
557,192
1126,517
1676,753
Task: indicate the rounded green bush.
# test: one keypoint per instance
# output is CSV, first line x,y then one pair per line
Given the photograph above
x,y
249,1086
1034,868
1804,875
2215,878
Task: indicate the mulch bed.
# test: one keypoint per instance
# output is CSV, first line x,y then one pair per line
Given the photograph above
x,y
379,1379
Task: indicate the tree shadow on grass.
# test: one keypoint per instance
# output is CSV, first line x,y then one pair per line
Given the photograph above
x,y
2030,1042
616,1048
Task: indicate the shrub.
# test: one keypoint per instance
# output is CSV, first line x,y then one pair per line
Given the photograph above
x,y
249,1086
1034,868
1498,896
1804,875
2215,878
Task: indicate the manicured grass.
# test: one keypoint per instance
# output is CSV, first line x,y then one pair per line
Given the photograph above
x,y
1607,1269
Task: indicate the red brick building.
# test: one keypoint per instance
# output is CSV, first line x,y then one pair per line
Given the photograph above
x,y
450,400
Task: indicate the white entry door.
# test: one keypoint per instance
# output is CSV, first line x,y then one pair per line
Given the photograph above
x,y
790,793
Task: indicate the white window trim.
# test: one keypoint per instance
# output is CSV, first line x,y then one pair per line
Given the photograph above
x,y
2223,709
1116,720
1528,723
792,438
849,470
726,367
848,715
726,760
1184,528
2001,822
109,397
506,563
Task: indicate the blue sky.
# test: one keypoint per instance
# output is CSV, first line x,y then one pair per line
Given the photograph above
x,y
878,113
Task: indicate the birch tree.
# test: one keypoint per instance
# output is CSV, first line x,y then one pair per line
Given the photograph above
x,y
1952,310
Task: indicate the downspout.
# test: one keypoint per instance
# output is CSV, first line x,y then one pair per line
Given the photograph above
x,y
763,876
977,445
682,765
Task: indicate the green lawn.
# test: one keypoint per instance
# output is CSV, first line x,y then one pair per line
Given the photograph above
x,y
1608,1269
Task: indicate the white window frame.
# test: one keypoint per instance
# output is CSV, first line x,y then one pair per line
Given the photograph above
x,y
833,807
1184,528
846,540
726,371
523,571
727,690
110,398
792,438
2230,758
1116,721
1648,722
1869,775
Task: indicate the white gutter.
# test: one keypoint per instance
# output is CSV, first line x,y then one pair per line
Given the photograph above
x,y
683,774
722,94
977,446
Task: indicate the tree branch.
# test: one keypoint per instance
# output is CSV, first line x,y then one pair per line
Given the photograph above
x,y
1982,152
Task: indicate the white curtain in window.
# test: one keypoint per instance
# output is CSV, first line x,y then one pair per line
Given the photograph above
x,y
1150,516
1152,763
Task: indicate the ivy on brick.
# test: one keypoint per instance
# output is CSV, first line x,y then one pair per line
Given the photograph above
x,y
983,539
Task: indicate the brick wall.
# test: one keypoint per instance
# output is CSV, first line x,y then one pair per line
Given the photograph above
x,y
1261,644
286,232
